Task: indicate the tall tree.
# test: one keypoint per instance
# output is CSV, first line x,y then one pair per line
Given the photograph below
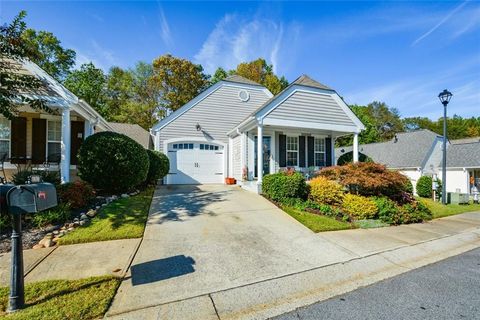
x,y
457,127
178,79
47,52
219,75
89,84
141,96
14,83
119,90
261,72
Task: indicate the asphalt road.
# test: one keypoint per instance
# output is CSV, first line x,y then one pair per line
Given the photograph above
x,y
449,289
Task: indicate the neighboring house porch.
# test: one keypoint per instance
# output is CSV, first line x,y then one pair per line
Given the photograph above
x,y
47,140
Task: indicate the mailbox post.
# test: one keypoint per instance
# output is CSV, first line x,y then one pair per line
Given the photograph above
x,y
23,199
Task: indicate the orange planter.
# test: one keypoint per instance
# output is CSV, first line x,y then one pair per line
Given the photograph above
x,y
230,181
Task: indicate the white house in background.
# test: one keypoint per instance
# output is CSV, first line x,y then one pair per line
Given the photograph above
x,y
35,137
237,126
419,153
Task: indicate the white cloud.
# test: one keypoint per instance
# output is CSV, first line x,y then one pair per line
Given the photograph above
x,y
235,40
439,24
101,57
165,28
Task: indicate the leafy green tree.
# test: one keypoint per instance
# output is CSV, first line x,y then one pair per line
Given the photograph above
x,y
457,127
119,90
13,82
178,79
47,52
262,73
138,95
89,84
219,75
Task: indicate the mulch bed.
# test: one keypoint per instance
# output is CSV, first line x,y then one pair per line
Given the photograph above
x,y
30,237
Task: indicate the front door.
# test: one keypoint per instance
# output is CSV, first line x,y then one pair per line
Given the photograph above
x,y
266,155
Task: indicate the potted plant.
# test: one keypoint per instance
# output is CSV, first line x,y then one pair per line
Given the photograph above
x,y
230,180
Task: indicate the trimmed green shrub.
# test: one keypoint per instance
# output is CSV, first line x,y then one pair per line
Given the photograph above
x,y
159,166
21,177
387,210
112,162
325,191
409,186
78,194
359,207
415,212
424,187
348,158
283,185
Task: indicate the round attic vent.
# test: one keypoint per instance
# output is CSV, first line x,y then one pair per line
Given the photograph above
x,y
243,95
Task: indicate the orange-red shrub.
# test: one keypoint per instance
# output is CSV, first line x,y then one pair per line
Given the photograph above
x,y
78,194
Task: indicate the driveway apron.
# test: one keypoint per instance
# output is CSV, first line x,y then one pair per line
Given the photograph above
x,y
208,238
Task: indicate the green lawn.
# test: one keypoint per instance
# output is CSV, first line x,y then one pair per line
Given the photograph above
x,y
121,219
439,210
64,299
315,222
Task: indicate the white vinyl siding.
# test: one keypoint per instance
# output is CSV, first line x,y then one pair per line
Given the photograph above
x,y
311,107
292,151
4,137
54,137
319,152
217,114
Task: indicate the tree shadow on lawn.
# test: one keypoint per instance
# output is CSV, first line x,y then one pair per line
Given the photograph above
x,y
173,203
127,211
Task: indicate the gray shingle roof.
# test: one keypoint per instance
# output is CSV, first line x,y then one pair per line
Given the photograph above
x,y
408,150
133,131
239,79
463,155
305,80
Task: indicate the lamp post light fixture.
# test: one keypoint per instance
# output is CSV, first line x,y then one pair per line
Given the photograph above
x,y
444,97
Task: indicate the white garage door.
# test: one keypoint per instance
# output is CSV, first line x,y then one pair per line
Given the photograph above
x,y
195,163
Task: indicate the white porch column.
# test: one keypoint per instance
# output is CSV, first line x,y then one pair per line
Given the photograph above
x,y
156,141
88,130
65,146
355,147
260,154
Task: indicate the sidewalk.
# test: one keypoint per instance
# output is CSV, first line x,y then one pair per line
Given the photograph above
x,y
375,254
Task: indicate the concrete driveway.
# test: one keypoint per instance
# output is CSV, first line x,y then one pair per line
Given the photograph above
x,y
209,238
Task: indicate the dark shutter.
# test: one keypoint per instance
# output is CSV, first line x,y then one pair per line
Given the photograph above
x,y
19,139
310,152
282,150
328,152
39,140
301,151
76,139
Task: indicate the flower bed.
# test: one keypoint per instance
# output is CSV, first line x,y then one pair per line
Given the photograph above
x,y
351,193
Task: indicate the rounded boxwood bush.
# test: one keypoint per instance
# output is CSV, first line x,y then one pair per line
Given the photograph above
x,y
112,162
284,185
159,166
424,187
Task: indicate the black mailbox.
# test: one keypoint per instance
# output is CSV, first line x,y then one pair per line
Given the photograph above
x,y
31,198
4,188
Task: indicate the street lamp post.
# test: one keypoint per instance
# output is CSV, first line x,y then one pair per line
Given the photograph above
x,y
444,97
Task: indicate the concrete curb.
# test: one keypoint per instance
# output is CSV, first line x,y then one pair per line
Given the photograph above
x,y
275,296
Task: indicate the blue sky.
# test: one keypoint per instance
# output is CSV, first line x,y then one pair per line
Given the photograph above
x,y
403,53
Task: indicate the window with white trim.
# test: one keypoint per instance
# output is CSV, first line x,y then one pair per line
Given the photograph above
x,y
319,152
292,151
4,137
54,137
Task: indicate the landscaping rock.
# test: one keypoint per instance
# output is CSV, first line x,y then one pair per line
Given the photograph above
x,y
38,246
97,207
49,235
91,213
55,240
124,195
71,229
56,232
75,220
83,217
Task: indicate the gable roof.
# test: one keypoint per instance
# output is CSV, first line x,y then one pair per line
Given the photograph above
x,y
305,80
407,150
239,79
232,80
133,131
464,154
